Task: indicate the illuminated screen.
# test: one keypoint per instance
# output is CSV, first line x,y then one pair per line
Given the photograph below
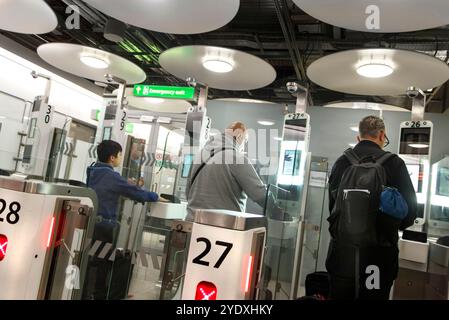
x,y
443,182
188,160
291,162
415,172
107,133
3,246
206,291
415,141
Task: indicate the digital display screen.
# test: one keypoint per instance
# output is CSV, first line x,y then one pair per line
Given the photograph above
x,y
415,173
295,130
37,104
188,160
291,162
27,151
415,141
32,128
107,133
443,182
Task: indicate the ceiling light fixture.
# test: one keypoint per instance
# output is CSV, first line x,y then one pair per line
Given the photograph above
x,y
375,70
218,66
94,62
155,100
418,145
265,123
355,129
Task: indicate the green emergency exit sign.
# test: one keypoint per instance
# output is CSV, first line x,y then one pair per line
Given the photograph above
x,y
141,90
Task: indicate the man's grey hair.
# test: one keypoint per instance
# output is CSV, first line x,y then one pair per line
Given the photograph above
x,y
371,126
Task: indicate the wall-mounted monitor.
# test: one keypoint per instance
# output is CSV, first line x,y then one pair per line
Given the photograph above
x,y
415,141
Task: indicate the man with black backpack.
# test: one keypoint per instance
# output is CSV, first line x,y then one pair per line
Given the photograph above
x,y
362,259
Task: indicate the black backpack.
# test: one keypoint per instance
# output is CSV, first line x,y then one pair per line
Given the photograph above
x,y
353,220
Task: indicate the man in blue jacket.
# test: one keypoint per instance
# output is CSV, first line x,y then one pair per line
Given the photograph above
x,y
109,186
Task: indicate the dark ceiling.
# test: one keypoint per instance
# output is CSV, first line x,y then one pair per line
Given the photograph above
x,y
275,30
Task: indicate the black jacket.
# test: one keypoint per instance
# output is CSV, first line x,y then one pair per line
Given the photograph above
x,y
388,227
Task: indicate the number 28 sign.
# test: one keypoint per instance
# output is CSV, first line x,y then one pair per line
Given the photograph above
x,y
9,212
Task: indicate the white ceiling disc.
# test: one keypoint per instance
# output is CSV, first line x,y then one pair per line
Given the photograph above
x,y
157,105
27,16
244,100
379,15
237,70
363,105
396,70
171,16
67,57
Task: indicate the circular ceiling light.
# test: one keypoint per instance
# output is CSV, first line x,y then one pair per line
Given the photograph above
x,y
26,16
375,70
170,16
379,16
363,105
155,100
265,122
90,63
418,145
248,71
339,71
94,62
218,66
244,100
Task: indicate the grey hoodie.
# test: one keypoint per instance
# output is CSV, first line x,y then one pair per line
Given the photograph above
x,y
226,181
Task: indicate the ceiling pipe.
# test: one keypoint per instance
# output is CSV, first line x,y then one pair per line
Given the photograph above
x,y
298,72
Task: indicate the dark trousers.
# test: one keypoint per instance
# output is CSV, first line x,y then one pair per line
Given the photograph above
x,y
98,274
345,289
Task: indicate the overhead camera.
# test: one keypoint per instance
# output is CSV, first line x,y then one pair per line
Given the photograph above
x,y
292,87
191,82
413,92
109,78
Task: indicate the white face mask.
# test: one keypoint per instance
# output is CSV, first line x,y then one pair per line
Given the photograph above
x,y
242,139
241,147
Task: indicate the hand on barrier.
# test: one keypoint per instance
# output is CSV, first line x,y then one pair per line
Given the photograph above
x,y
163,200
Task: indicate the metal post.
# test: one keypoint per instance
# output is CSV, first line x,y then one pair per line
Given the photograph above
x,y
419,103
202,99
302,101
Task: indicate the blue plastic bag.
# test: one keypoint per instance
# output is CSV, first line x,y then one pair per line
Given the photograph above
x,y
393,203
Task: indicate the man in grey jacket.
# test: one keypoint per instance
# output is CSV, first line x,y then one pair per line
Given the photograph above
x,y
222,177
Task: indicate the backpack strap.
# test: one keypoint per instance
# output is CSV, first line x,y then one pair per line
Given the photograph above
x,y
384,158
352,156
212,154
